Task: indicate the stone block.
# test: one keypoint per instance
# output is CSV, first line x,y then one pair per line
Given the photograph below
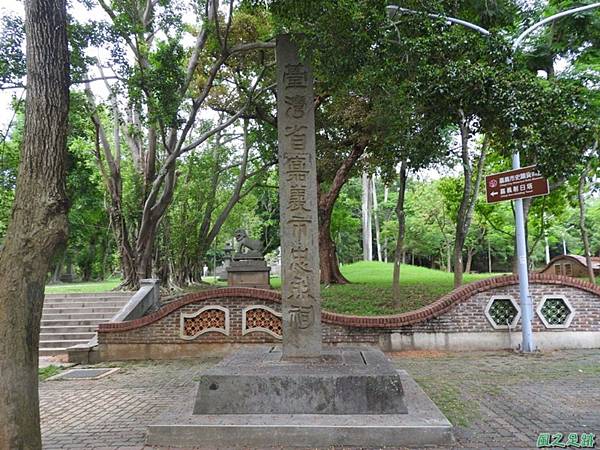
x,y
341,381
249,273
249,278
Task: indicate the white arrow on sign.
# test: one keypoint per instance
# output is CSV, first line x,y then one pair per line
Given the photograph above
x,y
493,194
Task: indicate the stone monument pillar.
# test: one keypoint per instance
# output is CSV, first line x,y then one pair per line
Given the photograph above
x,y
301,306
301,395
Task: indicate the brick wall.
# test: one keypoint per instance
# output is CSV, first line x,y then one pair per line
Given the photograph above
x,y
167,329
462,310
468,315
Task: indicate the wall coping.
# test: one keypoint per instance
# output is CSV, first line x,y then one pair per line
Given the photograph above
x,y
229,292
437,308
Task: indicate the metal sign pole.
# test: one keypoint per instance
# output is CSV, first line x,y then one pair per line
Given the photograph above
x,y
526,306
525,299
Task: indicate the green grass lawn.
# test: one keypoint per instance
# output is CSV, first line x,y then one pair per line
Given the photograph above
x,y
108,285
83,288
370,291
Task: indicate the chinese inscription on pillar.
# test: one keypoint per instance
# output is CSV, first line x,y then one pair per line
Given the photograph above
x,y
298,204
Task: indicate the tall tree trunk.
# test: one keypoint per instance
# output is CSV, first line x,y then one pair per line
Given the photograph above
x,y
38,227
330,271
376,220
208,234
126,252
367,211
385,250
401,231
470,253
111,175
385,240
204,242
582,227
469,198
106,253
328,261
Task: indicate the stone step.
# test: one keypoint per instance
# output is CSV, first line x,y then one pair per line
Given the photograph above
x,y
79,304
52,351
62,343
109,298
72,319
65,322
74,316
91,295
82,309
69,329
45,337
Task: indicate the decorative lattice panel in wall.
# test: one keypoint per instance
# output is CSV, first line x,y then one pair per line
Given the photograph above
x,y
213,318
260,318
555,312
502,312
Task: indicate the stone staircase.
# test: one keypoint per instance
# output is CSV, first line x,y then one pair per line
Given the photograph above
x,y
71,319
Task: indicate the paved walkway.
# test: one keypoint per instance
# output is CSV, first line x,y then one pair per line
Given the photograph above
x,y
495,400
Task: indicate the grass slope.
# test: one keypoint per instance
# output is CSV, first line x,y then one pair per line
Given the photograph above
x,y
371,290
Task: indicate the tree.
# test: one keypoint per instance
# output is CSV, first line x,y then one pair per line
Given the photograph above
x,y
457,78
376,218
90,247
429,229
38,226
464,88
214,184
341,40
338,153
582,225
167,86
577,37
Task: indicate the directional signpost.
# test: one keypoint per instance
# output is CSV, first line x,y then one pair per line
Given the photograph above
x,y
517,184
513,184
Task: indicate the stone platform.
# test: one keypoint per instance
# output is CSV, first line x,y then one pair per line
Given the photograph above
x,y
350,397
249,273
341,381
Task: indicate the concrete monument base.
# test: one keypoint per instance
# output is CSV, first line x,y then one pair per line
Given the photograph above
x,y
340,381
350,397
249,273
